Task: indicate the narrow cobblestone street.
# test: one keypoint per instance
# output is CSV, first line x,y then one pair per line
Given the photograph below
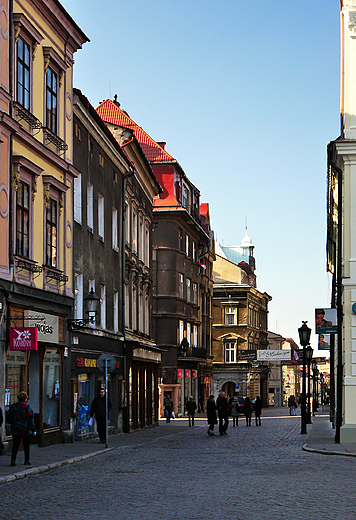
x,y
255,473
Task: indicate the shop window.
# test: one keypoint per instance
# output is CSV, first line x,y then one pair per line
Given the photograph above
x,y
51,388
83,403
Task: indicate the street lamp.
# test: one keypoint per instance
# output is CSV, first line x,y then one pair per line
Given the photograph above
x,y
304,337
309,355
91,304
313,366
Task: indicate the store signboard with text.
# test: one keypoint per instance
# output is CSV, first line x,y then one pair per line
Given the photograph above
x,y
23,338
46,325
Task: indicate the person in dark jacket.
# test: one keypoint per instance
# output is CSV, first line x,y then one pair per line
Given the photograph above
x,y
235,408
191,406
168,407
211,414
22,425
248,410
97,408
258,410
221,405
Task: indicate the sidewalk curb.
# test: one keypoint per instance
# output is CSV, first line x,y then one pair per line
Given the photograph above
x,y
325,452
48,467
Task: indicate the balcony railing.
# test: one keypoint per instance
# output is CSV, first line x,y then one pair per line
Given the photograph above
x,y
193,352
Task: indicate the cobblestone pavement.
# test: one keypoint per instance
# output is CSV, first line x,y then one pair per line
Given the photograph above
x,y
175,472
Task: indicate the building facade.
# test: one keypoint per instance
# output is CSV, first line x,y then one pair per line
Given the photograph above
x,y
341,238
240,315
36,218
181,246
142,357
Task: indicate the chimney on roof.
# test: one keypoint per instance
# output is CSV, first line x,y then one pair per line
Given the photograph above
x,y
162,144
116,101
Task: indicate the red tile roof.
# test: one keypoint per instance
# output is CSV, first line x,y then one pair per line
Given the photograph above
x,y
111,113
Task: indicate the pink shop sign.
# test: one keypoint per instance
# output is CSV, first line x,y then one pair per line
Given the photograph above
x,y
23,338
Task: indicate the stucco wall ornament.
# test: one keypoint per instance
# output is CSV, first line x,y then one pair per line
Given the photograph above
x,y
46,198
352,22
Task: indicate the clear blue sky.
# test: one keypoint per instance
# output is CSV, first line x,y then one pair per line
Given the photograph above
x,y
246,95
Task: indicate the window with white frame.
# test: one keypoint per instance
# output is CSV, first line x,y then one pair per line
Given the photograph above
x,y
134,308
195,293
195,336
181,285
230,315
51,233
141,245
189,329
78,199
188,283
92,286
134,229
147,245
127,305
90,206
115,242
185,197
181,330
187,245
101,216
103,306
79,295
194,251
127,223
229,352
116,311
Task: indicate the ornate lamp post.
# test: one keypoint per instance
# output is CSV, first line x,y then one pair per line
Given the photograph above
x,y
309,355
304,338
313,365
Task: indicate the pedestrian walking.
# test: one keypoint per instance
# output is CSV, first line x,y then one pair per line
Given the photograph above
x,y
211,414
168,408
292,405
21,418
248,410
1,423
190,407
221,404
235,410
258,410
98,408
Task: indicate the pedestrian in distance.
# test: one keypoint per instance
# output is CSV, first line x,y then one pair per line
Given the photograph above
x,y
168,407
98,408
248,410
211,414
1,423
221,405
292,405
190,407
20,416
258,410
235,410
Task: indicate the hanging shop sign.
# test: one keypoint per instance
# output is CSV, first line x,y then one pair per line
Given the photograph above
x,y
179,373
194,374
46,325
23,338
187,373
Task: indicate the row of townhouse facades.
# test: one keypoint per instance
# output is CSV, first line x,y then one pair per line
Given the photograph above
x,y
91,205
93,210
